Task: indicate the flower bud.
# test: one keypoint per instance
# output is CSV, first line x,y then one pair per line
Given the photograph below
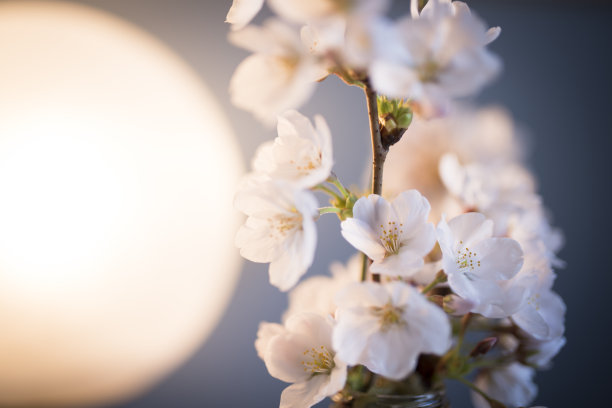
x,y
483,346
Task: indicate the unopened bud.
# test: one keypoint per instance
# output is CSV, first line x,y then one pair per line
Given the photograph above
x,y
457,306
437,299
483,346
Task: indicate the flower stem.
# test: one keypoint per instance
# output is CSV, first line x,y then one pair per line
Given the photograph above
x,y
440,277
329,210
329,191
336,182
379,152
364,267
464,324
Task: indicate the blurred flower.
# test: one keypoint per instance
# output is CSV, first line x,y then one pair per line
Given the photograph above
x,y
242,12
316,294
280,75
444,57
511,385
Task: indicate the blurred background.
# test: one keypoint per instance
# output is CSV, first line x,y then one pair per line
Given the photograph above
x,y
556,83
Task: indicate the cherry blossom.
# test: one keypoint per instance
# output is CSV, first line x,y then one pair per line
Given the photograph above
x,y
511,385
301,353
301,154
478,264
316,294
279,229
444,56
377,320
280,75
395,235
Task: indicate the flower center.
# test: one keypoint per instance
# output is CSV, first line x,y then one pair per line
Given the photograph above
x,y
318,361
388,315
308,163
534,301
466,260
390,237
428,72
282,224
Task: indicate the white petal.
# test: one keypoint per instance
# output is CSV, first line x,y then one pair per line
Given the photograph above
x,y
471,227
383,356
284,356
360,235
500,258
265,333
304,394
242,12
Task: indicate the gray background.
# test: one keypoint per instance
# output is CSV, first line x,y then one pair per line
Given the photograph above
x,y
556,82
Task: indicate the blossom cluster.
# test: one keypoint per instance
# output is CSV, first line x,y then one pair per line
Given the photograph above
x,y
456,241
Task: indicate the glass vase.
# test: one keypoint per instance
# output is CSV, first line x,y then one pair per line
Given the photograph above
x,y
431,399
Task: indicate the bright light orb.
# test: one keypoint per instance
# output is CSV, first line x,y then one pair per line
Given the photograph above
x,y
116,176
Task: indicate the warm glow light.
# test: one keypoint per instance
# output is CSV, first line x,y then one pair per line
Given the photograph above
x,y
116,175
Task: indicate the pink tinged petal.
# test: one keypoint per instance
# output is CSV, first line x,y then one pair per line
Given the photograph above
x,y
429,321
284,356
446,240
242,12
372,210
412,210
263,159
423,240
383,356
337,378
286,270
360,235
311,326
265,333
405,263
470,228
552,310
304,394
254,39
255,244
531,322
500,258
351,335
492,34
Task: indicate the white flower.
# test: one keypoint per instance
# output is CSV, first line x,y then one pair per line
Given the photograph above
x,y
280,75
301,154
386,326
544,351
444,56
511,385
396,235
316,294
543,315
242,12
279,229
301,353
478,264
